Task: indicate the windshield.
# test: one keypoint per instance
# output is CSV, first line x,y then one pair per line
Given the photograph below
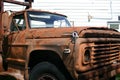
x,y
44,19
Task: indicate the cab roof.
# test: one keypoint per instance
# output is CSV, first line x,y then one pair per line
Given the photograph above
x,y
37,10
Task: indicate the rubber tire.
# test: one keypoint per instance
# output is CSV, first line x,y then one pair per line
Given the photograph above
x,y
7,77
113,78
45,67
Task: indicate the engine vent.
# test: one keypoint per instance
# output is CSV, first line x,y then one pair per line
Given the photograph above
x,y
100,34
105,53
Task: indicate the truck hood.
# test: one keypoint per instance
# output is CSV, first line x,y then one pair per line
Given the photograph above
x,y
83,32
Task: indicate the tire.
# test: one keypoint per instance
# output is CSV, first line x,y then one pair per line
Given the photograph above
x,y
7,77
113,78
46,71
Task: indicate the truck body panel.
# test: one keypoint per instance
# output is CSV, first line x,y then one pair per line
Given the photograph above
x,y
34,41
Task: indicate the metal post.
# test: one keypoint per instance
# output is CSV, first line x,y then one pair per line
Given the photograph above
x,y
30,2
1,32
17,2
1,6
1,10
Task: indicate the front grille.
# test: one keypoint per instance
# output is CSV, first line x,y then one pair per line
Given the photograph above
x,y
105,53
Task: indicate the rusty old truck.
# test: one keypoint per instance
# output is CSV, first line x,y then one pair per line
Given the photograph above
x,y
42,45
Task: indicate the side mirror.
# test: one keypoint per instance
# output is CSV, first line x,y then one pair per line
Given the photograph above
x,y
72,23
5,22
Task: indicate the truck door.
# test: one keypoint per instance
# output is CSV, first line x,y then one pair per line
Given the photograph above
x,y
16,41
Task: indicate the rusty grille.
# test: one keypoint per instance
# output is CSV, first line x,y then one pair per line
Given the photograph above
x,y
105,53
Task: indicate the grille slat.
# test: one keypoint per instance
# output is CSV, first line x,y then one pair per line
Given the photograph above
x,y
104,53
104,49
105,56
102,60
103,63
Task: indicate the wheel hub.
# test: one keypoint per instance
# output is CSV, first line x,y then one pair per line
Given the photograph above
x,y
47,77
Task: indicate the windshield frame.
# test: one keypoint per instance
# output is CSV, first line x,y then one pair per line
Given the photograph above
x,y
38,13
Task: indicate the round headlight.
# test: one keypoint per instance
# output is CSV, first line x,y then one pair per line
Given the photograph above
x,y
87,56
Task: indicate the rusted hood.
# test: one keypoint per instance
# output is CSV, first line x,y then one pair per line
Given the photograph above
x,y
67,32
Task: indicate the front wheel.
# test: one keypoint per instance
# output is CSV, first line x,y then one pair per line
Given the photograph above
x,y
46,71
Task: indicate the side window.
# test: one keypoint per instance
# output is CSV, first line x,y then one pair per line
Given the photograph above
x,y
18,23
60,23
37,24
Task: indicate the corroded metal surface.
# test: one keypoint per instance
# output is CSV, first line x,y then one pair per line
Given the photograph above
x,y
17,2
19,45
86,52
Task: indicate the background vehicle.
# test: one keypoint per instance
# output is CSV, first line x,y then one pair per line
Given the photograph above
x,y
41,45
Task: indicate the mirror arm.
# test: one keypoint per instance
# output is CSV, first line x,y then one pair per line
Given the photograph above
x,y
16,25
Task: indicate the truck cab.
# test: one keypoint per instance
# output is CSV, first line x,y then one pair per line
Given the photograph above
x,y
20,30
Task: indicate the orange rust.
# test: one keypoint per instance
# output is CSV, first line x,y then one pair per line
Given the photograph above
x,y
85,52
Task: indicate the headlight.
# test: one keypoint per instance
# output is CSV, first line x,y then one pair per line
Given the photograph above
x,y
86,56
